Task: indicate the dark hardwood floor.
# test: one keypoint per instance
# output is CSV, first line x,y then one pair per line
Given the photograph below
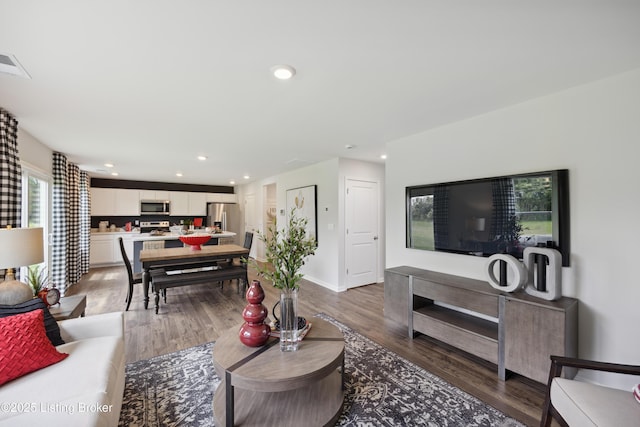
x,y
198,314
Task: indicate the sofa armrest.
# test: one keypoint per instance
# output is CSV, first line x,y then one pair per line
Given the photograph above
x,y
100,325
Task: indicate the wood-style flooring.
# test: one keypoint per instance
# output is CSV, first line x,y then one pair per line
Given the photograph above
x,y
198,314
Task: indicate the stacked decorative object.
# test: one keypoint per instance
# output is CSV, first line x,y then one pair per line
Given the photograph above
x,y
254,332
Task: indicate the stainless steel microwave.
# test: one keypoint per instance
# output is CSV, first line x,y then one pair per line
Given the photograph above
x,y
154,207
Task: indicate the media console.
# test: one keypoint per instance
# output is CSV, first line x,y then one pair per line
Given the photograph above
x,y
516,331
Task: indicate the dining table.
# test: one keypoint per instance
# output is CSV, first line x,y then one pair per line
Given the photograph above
x,y
185,258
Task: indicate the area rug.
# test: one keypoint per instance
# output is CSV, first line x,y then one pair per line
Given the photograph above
x,y
382,389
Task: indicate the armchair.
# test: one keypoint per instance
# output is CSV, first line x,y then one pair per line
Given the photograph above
x,y
576,403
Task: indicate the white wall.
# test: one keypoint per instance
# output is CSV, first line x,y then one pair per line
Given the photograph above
x,y
326,267
34,152
592,130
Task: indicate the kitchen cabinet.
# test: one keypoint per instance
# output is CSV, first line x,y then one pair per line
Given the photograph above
x,y
101,249
114,202
105,248
179,203
103,201
154,195
222,198
127,202
198,204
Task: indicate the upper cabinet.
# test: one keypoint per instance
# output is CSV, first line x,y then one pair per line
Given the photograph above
x,y
188,203
154,195
103,201
114,202
179,203
222,198
198,204
126,202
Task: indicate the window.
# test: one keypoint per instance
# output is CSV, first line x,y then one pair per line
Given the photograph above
x,y
35,205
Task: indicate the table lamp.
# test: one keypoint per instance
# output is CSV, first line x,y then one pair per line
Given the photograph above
x,y
18,247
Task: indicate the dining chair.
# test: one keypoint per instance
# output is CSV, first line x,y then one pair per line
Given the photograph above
x,y
134,278
248,241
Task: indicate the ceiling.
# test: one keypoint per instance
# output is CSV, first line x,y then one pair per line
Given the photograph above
x,y
148,85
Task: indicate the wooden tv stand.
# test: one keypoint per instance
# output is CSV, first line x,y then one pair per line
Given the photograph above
x,y
516,331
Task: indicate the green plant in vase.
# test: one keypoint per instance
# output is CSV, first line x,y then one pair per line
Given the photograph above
x,y
286,251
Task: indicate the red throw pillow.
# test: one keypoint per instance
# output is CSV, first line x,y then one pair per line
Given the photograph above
x,y
24,346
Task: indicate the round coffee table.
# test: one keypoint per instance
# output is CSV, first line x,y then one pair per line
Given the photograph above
x,y
265,386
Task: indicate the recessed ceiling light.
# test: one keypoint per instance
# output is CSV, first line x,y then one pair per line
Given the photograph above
x,y
383,156
283,72
232,182
246,177
178,174
114,173
109,165
203,158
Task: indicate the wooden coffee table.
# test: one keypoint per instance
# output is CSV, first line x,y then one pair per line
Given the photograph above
x,y
265,386
70,307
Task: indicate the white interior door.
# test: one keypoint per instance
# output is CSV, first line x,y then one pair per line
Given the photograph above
x,y
361,260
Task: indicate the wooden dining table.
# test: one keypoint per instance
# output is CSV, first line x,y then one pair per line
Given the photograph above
x,y
171,259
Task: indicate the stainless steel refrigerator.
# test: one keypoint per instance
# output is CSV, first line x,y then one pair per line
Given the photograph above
x,y
228,217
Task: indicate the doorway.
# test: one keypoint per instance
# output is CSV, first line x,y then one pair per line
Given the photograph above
x,y
361,228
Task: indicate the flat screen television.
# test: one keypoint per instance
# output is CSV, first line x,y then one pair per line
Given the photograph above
x,y
482,217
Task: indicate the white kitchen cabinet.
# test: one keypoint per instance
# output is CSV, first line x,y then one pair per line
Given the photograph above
x,y
222,198
179,203
101,249
154,195
127,202
229,198
114,202
198,204
103,201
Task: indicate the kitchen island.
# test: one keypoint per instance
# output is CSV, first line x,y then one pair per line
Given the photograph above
x,y
170,241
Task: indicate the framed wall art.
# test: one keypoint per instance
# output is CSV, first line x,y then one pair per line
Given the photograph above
x,y
304,200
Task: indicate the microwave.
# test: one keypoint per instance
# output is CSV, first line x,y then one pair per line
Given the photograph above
x,y
154,207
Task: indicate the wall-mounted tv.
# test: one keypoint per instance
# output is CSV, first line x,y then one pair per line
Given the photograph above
x,y
482,217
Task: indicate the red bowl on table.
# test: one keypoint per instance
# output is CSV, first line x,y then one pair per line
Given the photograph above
x,y
195,240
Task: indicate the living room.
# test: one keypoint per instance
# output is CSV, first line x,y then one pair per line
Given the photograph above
x,y
588,127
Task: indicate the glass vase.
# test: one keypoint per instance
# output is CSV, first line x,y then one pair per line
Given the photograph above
x,y
289,320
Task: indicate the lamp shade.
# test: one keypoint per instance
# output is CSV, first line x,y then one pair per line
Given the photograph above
x,y
20,247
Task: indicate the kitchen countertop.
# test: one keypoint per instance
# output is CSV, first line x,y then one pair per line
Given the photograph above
x,y
141,237
144,237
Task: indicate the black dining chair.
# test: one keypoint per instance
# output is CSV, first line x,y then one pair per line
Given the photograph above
x,y
134,278
248,241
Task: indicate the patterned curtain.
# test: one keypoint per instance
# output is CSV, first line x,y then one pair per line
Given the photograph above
x,y
71,223
10,172
504,210
441,217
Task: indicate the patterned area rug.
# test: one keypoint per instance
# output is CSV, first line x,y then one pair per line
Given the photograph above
x,y
383,389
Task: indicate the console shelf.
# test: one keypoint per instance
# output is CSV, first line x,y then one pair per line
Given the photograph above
x,y
515,331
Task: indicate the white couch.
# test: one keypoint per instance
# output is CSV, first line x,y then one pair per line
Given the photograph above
x,y
85,389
